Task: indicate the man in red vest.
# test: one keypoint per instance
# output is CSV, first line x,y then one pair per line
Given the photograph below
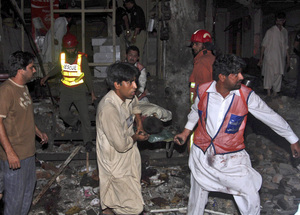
x,y
218,159
76,82
201,44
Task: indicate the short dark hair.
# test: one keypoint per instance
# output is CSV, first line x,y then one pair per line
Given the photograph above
x,y
227,64
132,1
19,60
120,71
133,48
280,15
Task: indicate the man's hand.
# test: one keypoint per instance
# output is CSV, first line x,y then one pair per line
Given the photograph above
x,y
295,150
42,135
128,34
181,138
44,138
43,80
140,135
133,39
13,160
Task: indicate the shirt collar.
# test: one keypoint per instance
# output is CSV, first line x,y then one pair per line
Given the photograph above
x,y
212,89
120,101
19,85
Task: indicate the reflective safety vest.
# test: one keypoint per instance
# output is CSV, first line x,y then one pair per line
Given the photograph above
x,y
192,85
230,135
72,74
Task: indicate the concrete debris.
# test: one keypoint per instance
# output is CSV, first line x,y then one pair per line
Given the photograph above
x,y
166,188
165,181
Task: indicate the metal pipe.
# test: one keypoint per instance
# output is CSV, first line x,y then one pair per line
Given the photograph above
x,y
184,210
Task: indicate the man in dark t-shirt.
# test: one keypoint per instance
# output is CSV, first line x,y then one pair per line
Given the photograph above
x,y
137,23
122,28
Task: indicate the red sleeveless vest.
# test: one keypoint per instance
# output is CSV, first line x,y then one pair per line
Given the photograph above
x,y
230,136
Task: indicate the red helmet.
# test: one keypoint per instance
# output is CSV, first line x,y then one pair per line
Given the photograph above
x,y
69,41
201,36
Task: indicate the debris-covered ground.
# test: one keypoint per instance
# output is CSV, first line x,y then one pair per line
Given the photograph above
x,y
165,181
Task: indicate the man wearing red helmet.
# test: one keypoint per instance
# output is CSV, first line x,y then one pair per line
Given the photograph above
x,y
201,44
75,83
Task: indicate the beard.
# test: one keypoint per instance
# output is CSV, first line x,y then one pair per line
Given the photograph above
x,y
237,86
71,55
131,62
196,52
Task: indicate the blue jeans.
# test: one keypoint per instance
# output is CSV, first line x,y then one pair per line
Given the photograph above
x,y
18,186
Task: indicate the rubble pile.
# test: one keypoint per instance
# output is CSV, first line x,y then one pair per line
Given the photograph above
x,y
166,186
165,181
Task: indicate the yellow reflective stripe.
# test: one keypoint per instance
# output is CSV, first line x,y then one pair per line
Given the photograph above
x,y
192,98
75,77
69,79
191,140
62,60
73,83
193,84
79,63
79,78
73,73
79,69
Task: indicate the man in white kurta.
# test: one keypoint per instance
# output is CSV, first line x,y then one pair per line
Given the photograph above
x,y
60,29
118,156
230,172
274,55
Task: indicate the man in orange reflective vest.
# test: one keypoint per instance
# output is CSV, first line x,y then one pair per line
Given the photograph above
x,y
201,44
75,83
218,159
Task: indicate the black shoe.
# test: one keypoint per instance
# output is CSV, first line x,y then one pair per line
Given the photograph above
x,y
89,146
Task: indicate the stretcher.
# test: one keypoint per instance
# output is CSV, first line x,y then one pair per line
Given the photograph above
x,y
164,136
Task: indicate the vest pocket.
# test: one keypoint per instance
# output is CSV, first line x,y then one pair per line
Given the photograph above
x,y
234,124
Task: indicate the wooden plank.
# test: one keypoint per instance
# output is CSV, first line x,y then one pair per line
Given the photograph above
x,y
67,161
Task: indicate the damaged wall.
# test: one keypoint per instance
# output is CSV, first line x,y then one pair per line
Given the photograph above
x,y
179,58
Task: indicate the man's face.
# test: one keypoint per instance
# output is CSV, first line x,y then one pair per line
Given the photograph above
x,y
126,90
280,22
27,74
128,5
197,47
71,52
234,81
132,57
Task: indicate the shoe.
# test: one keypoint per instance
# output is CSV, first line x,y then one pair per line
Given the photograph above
x,y
89,146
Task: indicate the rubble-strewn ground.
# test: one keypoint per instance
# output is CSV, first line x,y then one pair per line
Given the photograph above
x,y
165,181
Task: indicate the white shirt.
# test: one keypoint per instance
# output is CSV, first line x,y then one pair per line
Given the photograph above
x,y
218,106
276,46
60,29
142,79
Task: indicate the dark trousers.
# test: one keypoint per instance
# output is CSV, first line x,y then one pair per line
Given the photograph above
x,y
18,186
79,99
